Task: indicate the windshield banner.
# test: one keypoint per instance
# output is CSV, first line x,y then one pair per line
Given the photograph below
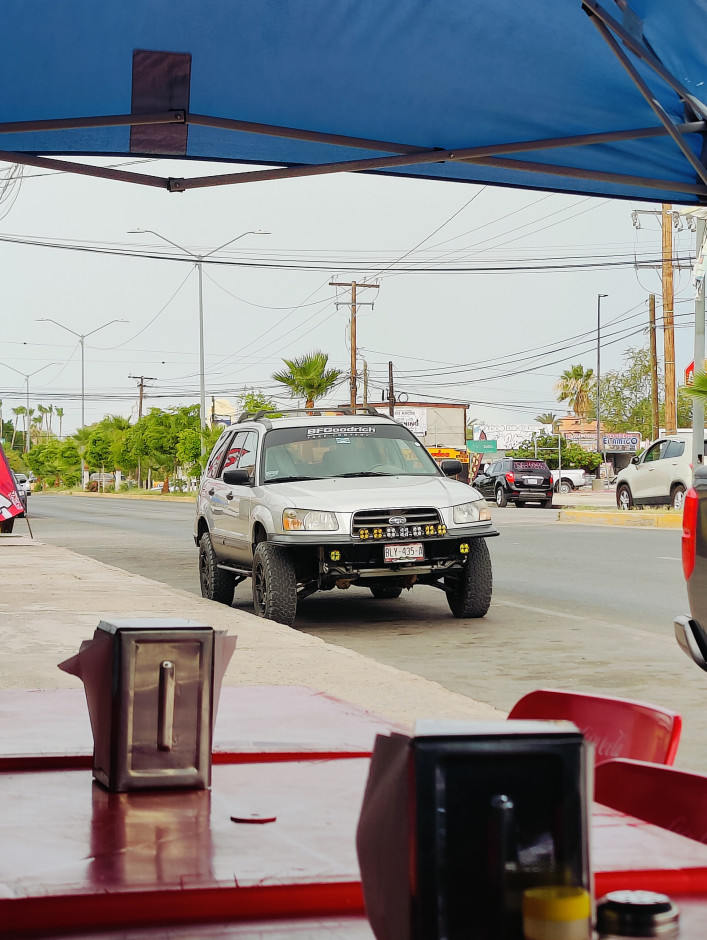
x,y
10,502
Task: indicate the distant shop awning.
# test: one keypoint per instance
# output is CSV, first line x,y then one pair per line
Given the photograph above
x,y
604,98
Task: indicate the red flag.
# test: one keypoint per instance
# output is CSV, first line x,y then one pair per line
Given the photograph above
x,y
10,502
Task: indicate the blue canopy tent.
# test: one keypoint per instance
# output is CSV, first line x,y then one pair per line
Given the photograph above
x,y
597,98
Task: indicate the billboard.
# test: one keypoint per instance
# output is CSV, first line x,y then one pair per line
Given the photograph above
x,y
414,419
509,436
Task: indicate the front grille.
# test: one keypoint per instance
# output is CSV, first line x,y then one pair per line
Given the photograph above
x,y
375,524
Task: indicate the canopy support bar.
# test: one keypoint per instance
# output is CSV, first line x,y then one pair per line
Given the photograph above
x,y
659,110
83,169
639,49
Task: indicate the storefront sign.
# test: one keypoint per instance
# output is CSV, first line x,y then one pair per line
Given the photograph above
x,y
414,419
621,443
482,447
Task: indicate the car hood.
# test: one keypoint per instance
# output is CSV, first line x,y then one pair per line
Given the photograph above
x,y
350,494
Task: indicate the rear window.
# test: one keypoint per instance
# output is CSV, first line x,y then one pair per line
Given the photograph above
x,y
530,465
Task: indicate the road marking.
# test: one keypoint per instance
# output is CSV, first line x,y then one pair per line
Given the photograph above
x,y
633,631
668,558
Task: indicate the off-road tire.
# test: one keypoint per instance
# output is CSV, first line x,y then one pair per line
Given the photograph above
x,y
501,499
677,496
216,584
469,589
274,584
384,592
624,500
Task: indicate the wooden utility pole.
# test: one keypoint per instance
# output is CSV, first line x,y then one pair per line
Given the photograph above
x,y
365,382
668,327
141,380
655,414
353,303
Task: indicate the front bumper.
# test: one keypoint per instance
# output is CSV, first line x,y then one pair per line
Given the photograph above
x,y
314,539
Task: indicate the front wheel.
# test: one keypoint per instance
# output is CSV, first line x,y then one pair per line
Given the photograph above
x,y
501,499
624,500
469,588
274,584
216,584
677,497
564,486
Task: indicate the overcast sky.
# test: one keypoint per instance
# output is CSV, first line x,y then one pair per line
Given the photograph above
x,y
497,340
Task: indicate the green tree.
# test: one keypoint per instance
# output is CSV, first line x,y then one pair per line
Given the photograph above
x,y
308,377
18,413
576,386
254,400
98,453
545,448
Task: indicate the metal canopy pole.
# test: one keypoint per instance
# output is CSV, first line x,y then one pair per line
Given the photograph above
x,y
698,405
659,110
403,154
638,48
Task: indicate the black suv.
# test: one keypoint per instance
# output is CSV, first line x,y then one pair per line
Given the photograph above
x,y
516,480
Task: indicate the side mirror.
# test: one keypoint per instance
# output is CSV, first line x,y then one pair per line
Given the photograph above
x,y
236,476
692,640
450,467
635,459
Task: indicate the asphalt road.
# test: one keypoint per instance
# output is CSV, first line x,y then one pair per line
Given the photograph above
x,y
574,606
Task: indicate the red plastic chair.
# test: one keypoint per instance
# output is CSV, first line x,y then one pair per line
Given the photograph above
x,y
670,798
617,727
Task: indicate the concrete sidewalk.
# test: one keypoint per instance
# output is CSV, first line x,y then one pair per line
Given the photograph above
x,y
52,599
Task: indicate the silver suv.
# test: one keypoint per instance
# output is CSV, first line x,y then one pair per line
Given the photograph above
x,y
306,502
659,476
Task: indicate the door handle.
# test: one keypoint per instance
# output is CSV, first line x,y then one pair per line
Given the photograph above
x,y
212,491
229,495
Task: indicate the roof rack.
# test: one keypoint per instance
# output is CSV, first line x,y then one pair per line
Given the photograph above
x,y
264,414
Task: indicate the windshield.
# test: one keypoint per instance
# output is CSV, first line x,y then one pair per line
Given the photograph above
x,y
325,451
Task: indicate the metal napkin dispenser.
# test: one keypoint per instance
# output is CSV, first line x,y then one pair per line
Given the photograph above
x,y
152,689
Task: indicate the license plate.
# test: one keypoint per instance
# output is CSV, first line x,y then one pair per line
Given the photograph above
x,y
412,551
533,481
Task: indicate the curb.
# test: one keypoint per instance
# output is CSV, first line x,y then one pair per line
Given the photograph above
x,y
639,518
187,497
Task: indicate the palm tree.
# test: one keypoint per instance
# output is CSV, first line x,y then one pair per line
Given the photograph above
x,y
547,417
308,377
60,415
43,411
37,423
17,412
575,386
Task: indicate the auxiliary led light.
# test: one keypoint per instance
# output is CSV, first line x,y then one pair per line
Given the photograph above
x,y
335,556
464,548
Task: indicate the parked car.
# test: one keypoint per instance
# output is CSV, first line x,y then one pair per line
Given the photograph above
x,y
516,480
306,502
565,480
658,476
22,487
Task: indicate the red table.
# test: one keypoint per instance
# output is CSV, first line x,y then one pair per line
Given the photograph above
x,y
76,857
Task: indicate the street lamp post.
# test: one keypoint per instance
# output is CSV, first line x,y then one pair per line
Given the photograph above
x,y
82,337
199,259
599,297
27,377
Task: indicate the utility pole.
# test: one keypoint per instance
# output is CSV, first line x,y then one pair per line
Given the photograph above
x,y
668,328
391,391
365,387
141,380
599,297
698,405
655,414
353,303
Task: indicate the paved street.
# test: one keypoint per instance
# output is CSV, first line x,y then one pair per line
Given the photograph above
x,y
576,606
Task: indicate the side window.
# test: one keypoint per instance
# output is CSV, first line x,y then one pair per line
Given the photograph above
x,y
234,451
248,448
214,465
675,449
654,453
492,468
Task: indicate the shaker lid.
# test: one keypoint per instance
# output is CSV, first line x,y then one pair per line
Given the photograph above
x,y
637,914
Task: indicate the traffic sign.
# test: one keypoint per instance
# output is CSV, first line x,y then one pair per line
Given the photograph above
x,y
690,373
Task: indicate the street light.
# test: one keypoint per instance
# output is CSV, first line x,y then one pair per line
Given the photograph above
x,y
199,259
599,297
27,377
82,337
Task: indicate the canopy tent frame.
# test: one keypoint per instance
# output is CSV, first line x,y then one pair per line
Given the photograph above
x,y
401,155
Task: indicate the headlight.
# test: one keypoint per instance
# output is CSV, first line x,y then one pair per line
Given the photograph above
x,y
309,520
477,511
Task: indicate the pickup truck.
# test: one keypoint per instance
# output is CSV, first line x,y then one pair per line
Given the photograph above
x,y
569,480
